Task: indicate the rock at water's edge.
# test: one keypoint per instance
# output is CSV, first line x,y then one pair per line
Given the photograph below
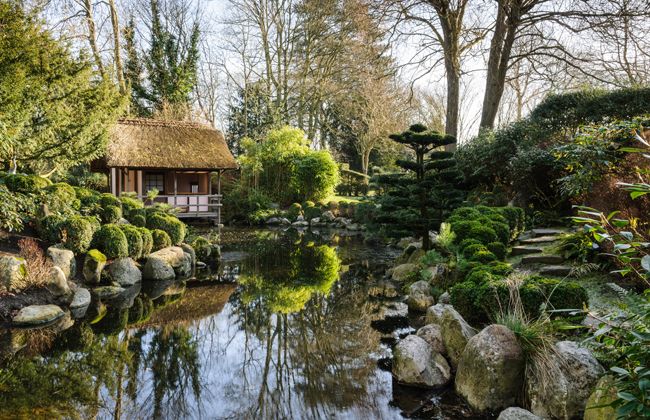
x,y
416,363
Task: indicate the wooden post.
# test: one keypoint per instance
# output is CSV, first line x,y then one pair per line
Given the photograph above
x,y
128,179
175,190
219,200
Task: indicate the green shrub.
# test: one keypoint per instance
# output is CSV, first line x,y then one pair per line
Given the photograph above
x,y
147,241
463,297
494,268
306,204
472,249
483,234
160,239
363,213
464,267
199,242
63,191
333,206
483,257
134,240
113,323
108,199
562,295
82,193
512,216
52,228
466,213
312,213
136,311
175,229
25,183
481,275
294,211
78,233
112,242
94,223
129,203
343,205
352,209
91,201
156,221
138,220
498,249
111,214
467,242
463,230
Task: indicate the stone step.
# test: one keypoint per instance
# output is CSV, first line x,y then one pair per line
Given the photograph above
x,y
555,270
546,232
542,259
523,250
540,240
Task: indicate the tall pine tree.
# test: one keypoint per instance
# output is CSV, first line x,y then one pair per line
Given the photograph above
x,y
418,198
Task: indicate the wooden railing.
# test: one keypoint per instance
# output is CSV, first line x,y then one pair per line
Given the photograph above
x,y
190,204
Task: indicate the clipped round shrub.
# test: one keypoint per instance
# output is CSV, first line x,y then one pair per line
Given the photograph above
x,y
467,242
134,240
352,209
129,203
78,234
89,201
77,338
52,228
63,191
175,229
307,204
343,206
512,215
466,213
147,241
111,241
113,323
483,257
160,239
333,206
498,249
312,213
82,193
562,295
322,205
480,275
294,211
483,234
199,242
108,199
463,230
472,249
501,229
138,220
25,183
111,214
463,297
156,221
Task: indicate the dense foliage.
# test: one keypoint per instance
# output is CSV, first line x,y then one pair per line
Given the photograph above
x,y
54,107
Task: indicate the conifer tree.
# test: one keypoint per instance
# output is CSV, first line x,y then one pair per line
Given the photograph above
x,y
417,199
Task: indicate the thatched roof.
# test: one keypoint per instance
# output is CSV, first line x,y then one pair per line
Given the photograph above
x,y
144,143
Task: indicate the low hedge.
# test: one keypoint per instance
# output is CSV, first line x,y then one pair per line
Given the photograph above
x,y
147,241
52,228
111,241
78,234
174,228
134,241
25,183
160,239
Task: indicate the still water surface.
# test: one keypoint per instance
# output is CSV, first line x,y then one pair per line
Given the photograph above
x,y
284,328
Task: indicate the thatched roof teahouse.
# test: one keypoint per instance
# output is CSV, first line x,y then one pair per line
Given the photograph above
x,y
176,158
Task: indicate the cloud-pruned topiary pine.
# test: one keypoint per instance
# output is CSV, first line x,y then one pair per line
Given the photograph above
x,y
418,198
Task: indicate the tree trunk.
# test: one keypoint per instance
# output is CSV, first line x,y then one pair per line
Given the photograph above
x,y
453,100
92,35
118,56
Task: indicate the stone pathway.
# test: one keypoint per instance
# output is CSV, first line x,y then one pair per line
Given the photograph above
x,y
532,248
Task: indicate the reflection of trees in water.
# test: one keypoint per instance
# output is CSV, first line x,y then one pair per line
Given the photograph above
x,y
312,355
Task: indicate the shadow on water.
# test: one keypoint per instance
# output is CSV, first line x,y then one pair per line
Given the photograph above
x,y
290,326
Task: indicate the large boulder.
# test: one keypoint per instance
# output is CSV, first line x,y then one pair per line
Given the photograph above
x,y
106,292
166,264
404,257
431,334
126,299
434,313
416,363
436,275
125,272
491,370
401,271
516,413
415,256
420,302
445,298
599,397
13,274
577,373
64,259
81,298
420,287
56,282
94,263
455,334
328,216
37,315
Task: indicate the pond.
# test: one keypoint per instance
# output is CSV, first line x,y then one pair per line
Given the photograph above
x,y
289,326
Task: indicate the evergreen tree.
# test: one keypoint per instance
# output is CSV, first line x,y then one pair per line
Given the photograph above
x,y
54,107
417,199
133,73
